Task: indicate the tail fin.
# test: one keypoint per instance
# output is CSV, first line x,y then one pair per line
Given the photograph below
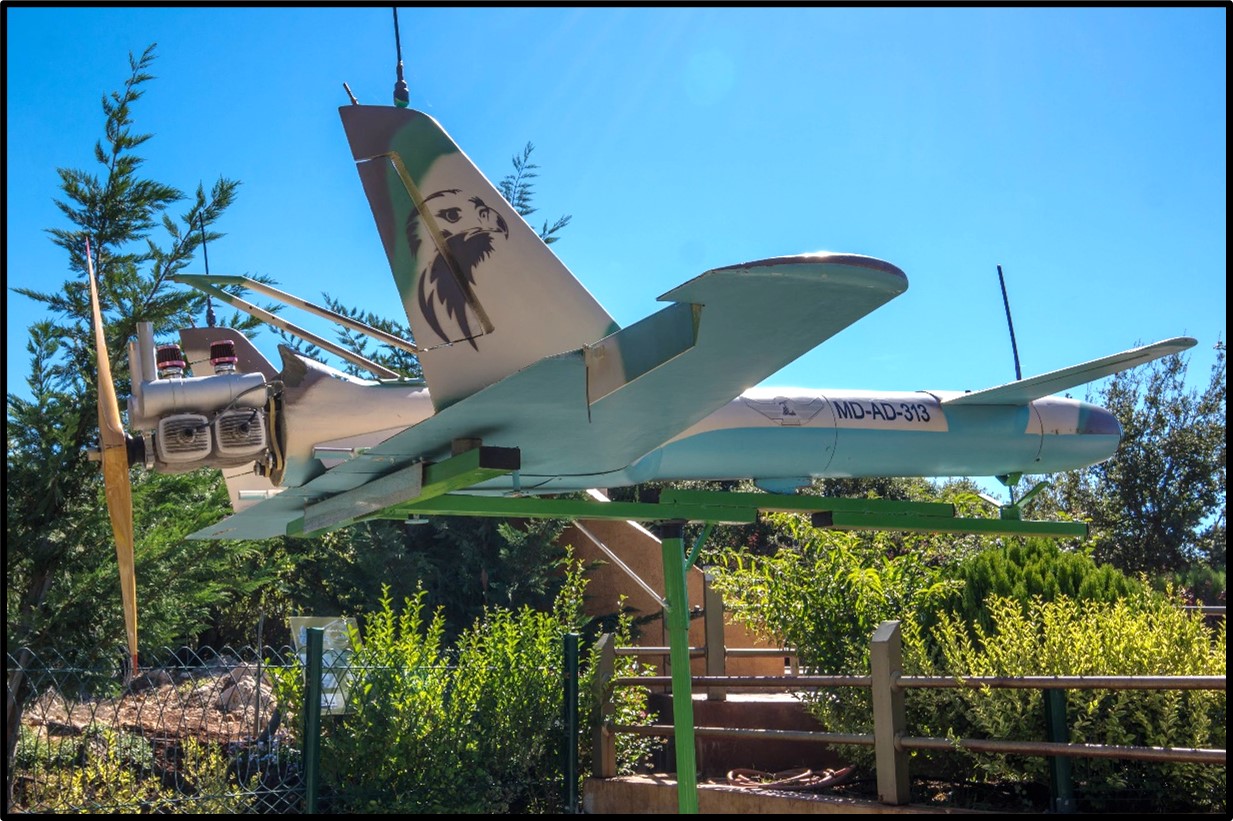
x,y
484,295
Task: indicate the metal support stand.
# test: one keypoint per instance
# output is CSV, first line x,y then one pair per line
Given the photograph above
x,y
673,509
312,719
1061,784
676,614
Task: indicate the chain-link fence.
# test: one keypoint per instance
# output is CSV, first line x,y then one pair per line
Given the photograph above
x,y
232,731
195,732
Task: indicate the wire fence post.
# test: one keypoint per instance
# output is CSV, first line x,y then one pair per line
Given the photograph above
x,y
570,747
889,715
1061,785
312,718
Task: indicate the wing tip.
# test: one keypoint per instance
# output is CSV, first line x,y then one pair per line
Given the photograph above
x,y
824,258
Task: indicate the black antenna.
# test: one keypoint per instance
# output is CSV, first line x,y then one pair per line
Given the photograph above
x,y
402,95
210,321
1013,347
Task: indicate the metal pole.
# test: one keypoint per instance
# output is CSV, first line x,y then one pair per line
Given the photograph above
x,y
676,613
570,747
312,718
1006,302
1061,785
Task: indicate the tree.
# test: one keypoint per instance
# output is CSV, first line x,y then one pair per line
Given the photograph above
x,y
517,189
62,598
1159,504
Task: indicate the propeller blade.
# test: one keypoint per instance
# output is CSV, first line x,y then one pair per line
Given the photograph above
x,y
113,446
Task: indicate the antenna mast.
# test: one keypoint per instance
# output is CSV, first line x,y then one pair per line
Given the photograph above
x,y
1013,347
210,321
402,95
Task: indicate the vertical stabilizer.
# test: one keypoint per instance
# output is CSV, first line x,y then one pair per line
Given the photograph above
x,y
484,295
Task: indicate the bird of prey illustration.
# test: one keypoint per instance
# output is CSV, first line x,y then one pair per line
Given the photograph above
x,y
468,229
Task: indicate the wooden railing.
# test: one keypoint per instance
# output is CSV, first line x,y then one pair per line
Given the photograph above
x,y
889,739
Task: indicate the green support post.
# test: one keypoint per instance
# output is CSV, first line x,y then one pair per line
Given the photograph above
x,y
312,718
570,746
676,612
1061,783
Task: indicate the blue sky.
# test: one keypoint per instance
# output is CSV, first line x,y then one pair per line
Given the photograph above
x,y
1082,149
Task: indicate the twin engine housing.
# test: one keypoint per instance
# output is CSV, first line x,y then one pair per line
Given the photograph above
x,y
204,421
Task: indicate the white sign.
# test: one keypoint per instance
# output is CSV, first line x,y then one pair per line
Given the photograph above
x,y
337,650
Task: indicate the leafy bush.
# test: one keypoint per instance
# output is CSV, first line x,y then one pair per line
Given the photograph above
x,y
1200,584
1142,635
826,594
1026,569
1016,609
106,770
473,728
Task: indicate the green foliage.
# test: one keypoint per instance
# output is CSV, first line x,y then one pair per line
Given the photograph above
x,y
1014,609
1144,634
1198,584
1159,504
517,189
397,359
59,542
1025,569
99,780
462,564
826,594
108,770
473,728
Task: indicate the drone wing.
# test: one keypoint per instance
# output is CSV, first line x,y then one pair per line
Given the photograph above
x,y
598,408
1024,391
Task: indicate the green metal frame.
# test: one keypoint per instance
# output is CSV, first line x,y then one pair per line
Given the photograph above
x,y
672,510
724,507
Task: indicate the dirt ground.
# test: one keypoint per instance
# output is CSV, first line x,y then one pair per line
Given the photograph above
x,y
219,705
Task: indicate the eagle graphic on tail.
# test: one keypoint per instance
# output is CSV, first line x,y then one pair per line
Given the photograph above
x,y
469,228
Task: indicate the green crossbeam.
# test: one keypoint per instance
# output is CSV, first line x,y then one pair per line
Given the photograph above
x,y
770,502
531,507
932,524
721,507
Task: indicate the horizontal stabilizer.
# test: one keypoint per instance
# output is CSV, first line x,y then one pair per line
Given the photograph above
x,y
1026,390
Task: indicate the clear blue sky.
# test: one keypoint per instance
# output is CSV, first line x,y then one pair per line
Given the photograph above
x,y
1082,149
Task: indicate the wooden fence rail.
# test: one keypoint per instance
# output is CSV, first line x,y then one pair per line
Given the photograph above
x,y
890,740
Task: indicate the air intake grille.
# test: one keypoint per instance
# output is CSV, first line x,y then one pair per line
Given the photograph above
x,y
240,432
183,438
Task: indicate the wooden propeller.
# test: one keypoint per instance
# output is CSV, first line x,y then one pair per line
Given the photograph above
x,y
114,450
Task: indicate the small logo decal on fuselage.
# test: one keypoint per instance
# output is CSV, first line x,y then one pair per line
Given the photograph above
x,y
788,412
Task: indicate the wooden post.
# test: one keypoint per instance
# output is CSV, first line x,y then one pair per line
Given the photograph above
x,y
713,622
889,716
603,740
